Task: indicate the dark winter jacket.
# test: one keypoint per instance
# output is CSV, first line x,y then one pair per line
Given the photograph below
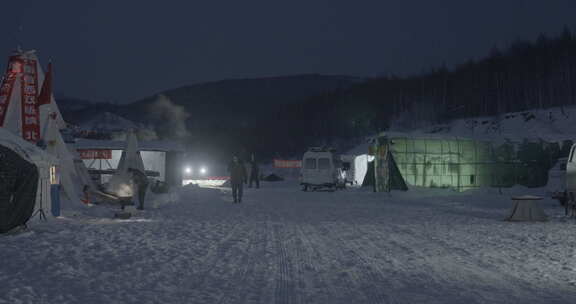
x,y
254,170
140,178
237,172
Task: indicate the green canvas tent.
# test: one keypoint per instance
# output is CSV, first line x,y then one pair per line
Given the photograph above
x,y
458,163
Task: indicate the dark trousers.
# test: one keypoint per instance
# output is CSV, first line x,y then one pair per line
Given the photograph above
x,y
254,178
237,189
141,196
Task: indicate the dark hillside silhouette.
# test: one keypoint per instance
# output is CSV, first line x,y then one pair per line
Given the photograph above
x,y
526,75
282,116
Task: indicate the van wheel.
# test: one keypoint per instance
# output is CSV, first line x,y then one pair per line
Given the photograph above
x,y
305,188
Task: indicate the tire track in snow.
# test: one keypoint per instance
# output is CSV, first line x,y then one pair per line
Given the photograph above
x,y
411,275
515,283
254,283
213,255
295,248
215,281
378,280
341,288
434,276
347,283
225,279
236,282
285,290
310,266
446,262
245,284
439,264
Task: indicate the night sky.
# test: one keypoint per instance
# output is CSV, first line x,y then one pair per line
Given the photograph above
x,y
124,50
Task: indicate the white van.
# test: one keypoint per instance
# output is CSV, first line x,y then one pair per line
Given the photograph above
x,y
321,169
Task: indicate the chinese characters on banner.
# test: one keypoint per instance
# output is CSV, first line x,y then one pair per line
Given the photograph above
x,y
14,68
278,163
30,111
95,154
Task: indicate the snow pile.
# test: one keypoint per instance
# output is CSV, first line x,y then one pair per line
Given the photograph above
x,y
108,122
552,125
24,148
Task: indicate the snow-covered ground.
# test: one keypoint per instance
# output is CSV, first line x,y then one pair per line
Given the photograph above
x,y
282,245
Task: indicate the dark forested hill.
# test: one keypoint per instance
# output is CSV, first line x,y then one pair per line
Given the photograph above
x,y
216,114
244,100
525,75
284,115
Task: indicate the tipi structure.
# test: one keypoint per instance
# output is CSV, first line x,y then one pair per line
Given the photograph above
x,y
28,109
55,146
21,109
119,184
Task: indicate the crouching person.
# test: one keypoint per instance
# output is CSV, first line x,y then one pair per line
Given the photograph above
x,y
140,184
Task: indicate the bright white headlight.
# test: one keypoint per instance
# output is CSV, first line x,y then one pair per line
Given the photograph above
x,y
188,170
203,170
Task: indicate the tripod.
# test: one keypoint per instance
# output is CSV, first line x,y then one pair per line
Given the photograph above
x,y
40,212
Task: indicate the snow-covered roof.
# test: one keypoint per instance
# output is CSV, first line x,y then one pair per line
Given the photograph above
x,y
421,135
24,148
108,122
152,145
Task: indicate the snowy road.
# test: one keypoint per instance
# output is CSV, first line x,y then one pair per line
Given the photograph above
x,y
286,246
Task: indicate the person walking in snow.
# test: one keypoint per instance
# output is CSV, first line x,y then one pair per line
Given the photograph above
x,y
237,178
246,166
254,175
140,184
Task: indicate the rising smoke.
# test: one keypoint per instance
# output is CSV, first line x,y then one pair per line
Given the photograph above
x,y
170,119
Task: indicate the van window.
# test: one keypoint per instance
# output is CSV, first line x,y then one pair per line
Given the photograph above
x,y
323,163
310,163
572,155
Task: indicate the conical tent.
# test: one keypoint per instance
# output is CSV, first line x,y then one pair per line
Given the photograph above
x,y
131,157
82,172
387,174
28,110
55,146
20,110
120,183
369,178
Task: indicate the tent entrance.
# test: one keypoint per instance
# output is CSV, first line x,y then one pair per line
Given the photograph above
x,y
18,188
387,174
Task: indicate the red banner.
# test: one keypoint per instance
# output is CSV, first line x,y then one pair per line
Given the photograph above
x,y
30,112
14,68
46,91
279,163
95,154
